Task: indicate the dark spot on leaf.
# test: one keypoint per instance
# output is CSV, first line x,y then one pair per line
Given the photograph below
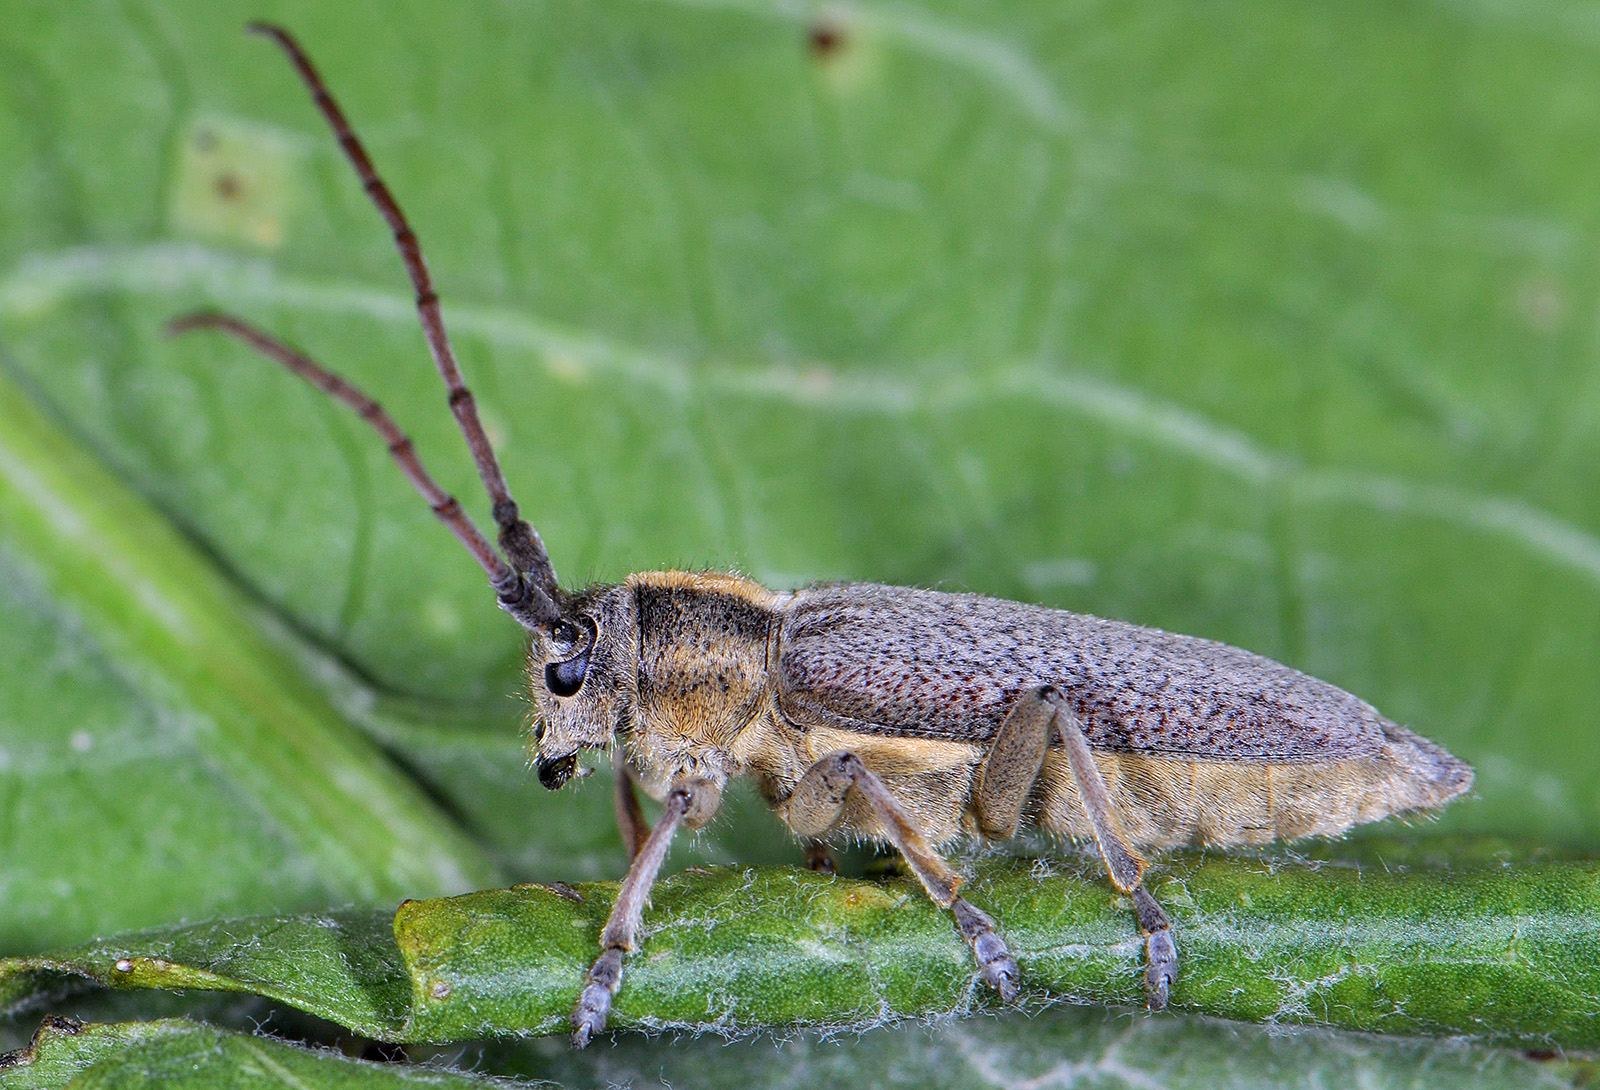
x,y
53,1024
228,186
561,889
825,39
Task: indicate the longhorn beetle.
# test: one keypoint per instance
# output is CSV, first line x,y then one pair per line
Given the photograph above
x,y
904,716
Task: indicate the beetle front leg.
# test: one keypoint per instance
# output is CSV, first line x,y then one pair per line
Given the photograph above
x,y
631,824
690,802
816,804
1124,864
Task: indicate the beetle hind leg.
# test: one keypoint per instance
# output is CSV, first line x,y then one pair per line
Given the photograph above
x,y
1006,779
818,801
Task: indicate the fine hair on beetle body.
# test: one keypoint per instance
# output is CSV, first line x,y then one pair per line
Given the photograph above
x,y
907,717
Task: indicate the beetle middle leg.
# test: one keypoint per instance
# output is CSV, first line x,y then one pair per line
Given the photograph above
x,y
819,857
1006,779
818,801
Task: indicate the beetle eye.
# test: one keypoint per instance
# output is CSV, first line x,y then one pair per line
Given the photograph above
x,y
571,645
566,678
564,638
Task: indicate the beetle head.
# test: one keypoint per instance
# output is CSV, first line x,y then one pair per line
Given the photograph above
x,y
581,671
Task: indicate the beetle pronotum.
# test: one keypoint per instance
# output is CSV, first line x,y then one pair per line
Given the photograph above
x,y
897,715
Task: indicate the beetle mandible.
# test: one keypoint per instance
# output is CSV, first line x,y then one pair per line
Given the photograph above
x,y
903,716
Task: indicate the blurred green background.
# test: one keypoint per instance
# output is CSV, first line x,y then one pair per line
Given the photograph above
x,y
1273,323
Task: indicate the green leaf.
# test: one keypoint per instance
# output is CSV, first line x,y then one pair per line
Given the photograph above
x,y
1267,323
1065,1046
341,966
184,635
173,1054
1069,1043
1507,955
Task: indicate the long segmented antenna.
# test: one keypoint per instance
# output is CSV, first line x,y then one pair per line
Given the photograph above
x,y
401,448
527,589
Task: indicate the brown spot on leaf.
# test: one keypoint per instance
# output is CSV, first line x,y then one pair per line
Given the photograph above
x,y
825,38
561,889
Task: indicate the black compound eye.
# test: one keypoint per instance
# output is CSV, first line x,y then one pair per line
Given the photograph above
x,y
566,678
564,638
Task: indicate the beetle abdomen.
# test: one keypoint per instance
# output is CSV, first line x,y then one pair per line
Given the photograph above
x,y
1165,802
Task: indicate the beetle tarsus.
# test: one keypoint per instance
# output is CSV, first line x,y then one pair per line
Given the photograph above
x,y
995,963
1161,968
1160,952
589,1017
